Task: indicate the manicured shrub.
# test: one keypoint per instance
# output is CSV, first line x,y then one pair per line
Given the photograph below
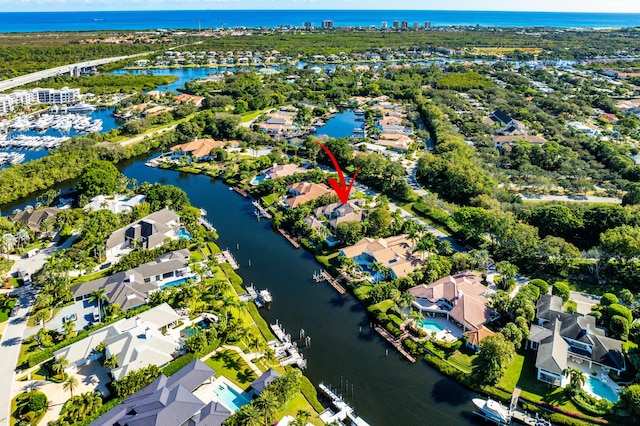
x,y
561,288
608,299
541,284
37,401
619,326
623,311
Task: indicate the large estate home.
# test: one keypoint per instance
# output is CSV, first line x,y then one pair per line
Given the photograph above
x,y
338,213
460,297
137,342
303,192
560,337
395,253
199,149
130,289
33,219
116,204
170,401
277,171
147,233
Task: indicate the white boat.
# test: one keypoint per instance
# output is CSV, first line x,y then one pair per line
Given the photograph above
x,y
265,296
81,108
492,410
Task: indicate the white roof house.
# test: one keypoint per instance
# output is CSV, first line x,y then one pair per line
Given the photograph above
x,y
116,204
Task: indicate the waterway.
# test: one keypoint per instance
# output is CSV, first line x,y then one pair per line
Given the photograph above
x,y
385,389
340,125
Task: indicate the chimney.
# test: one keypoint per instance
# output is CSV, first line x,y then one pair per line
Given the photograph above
x,y
138,322
132,278
147,333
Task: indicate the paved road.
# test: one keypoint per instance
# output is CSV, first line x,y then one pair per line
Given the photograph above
x,y
65,69
139,138
16,327
10,348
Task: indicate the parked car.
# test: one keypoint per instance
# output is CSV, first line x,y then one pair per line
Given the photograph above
x,y
70,317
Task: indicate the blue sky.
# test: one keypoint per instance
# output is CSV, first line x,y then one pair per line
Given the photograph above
x,y
622,6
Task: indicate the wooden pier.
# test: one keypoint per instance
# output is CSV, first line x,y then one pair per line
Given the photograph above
x,y
260,211
333,282
227,257
289,238
395,342
207,225
240,191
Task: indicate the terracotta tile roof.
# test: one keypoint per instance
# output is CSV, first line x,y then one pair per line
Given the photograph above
x,y
305,191
474,337
202,147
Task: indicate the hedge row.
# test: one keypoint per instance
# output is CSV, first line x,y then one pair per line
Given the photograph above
x,y
310,393
177,364
235,279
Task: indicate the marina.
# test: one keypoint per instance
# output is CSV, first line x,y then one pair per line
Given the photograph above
x,y
7,158
32,143
61,122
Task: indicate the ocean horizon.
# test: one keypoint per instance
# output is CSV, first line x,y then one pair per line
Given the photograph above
x,y
22,22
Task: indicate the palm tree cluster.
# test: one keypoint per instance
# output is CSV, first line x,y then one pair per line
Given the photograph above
x,y
136,380
262,410
79,407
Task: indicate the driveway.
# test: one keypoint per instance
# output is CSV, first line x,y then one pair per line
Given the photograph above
x,y
585,301
35,263
91,377
84,317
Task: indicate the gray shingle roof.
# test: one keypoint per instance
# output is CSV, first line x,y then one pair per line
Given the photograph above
x,y
169,401
552,352
265,380
153,227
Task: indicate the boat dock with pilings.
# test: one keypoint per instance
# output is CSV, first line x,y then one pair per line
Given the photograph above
x,y
494,412
344,410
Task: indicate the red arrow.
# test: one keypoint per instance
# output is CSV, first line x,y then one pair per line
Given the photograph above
x,y
341,188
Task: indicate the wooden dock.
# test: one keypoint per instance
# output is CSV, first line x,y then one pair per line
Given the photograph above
x,y
333,282
240,191
395,342
260,211
289,238
227,257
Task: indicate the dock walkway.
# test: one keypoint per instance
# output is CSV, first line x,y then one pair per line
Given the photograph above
x,y
286,351
227,257
344,410
333,282
395,342
289,238
207,225
260,211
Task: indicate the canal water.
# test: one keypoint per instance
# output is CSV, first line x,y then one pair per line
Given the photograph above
x,y
384,388
340,125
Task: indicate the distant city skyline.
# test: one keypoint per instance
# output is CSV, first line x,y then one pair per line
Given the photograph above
x,y
596,6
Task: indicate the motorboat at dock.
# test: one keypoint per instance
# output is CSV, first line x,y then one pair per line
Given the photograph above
x,y
492,411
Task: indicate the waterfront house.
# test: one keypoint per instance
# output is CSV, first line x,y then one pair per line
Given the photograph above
x,y
137,342
395,253
33,219
474,337
337,213
116,204
560,337
147,233
199,149
277,171
131,288
303,192
170,401
460,297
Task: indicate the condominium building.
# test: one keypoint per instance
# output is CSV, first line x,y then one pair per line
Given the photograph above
x,y
327,23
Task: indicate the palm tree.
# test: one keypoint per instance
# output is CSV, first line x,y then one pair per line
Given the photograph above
x,y
427,244
70,384
111,361
302,417
577,380
267,404
69,328
60,364
99,296
254,342
376,267
41,316
8,243
270,356
249,415
22,237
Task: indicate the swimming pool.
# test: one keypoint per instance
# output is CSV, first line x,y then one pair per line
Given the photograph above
x,y
174,283
229,397
430,325
195,328
599,388
183,233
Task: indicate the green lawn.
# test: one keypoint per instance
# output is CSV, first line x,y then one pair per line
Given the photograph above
x,y
268,200
522,373
232,366
463,360
292,407
251,115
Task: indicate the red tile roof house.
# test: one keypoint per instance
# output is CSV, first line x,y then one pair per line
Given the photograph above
x,y
199,149
460,297
303,192
277,171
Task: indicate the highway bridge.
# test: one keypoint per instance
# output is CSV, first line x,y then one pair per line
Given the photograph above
x,y
72,69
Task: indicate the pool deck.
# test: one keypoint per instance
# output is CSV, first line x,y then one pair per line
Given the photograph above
x,y
207,392
451,333
600,375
